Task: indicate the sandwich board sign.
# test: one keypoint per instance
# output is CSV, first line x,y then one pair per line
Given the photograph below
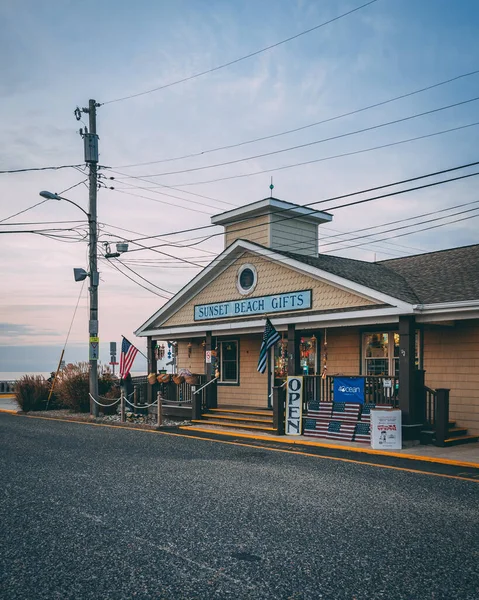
x,y
294,405
386,429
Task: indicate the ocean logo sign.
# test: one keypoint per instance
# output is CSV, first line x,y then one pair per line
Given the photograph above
x,y
349,389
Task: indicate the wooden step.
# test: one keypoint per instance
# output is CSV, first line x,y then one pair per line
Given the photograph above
x,y
456,431
462,439
452,423
263,413
233,418
235,425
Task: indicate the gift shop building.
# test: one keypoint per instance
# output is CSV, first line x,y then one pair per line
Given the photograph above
x,y
407,329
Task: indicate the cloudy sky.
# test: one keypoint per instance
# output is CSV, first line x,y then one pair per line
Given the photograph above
x,y
57,54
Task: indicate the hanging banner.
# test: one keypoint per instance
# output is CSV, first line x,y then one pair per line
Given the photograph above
x,y
294,405
349,389
386,429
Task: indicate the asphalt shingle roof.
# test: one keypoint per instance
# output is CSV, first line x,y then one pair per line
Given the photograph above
x,y
443,276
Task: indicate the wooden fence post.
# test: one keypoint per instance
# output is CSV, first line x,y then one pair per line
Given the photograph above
x,y
279,396
122,407
159,406
196,407
442,416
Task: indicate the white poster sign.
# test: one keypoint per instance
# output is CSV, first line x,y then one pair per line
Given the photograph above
x,y
208,357
294,405
386,429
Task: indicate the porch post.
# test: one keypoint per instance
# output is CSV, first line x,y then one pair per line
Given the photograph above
x,y
152,368
210,390
409,402
293,351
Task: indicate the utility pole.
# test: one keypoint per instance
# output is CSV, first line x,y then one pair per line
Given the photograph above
x,y
91,157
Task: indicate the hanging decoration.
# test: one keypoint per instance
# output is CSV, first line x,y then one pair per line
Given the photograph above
x,y
325,356
189,349
161,352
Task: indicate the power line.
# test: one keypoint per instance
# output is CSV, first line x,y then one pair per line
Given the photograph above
x,y
137,282
314,143
303,127
170,187
40,223
152,189
202,212
402,227
144,279
340,197
40,169
241,58
408,233
326,158
132,186
23,211
357,202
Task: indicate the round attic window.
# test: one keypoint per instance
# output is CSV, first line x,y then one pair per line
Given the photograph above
x,y
247,279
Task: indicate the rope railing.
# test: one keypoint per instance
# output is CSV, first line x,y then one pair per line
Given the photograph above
x,y
105,405
141,405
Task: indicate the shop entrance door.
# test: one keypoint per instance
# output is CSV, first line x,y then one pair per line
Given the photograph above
x,y
308,359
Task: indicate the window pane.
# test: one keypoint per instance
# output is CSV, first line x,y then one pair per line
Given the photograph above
x,y
376,345
377,366
229,350
308,350
230,371
229,361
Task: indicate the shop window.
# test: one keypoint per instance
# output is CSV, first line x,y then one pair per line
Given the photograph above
x,y
308,355
229,359
308,358
381,353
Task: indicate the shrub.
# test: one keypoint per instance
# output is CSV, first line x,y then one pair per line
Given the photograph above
x,y
31,393
73,388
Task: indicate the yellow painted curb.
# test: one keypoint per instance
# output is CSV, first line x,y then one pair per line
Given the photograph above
x,y
8,410
283,440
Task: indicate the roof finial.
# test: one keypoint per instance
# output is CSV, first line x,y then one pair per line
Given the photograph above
x,y
271,187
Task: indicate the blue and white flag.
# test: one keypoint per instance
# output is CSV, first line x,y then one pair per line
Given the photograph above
x,y
270,337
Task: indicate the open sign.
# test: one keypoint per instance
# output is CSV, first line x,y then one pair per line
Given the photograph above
x,y
294,405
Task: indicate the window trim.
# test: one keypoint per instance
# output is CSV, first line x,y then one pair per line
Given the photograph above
x,y
243,291
390,357
220,343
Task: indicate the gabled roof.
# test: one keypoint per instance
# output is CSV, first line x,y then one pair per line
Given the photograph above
x,y
348,279
442,276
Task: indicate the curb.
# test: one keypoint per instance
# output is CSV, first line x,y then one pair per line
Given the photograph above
x,y
10,411
289,441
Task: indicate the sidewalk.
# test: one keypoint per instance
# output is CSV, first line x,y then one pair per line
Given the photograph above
x,y
465,455
8,403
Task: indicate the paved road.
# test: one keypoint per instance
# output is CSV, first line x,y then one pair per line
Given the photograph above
x,y
102,513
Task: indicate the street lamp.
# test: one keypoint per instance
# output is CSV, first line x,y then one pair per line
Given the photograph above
x,y
93,289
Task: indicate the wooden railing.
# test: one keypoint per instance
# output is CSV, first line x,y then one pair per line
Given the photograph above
x,y
375,390
181,394
431,397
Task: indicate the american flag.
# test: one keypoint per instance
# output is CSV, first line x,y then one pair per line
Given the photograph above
x,y
320,410
362,432
316,428
270,337
339,430
127,356
346,411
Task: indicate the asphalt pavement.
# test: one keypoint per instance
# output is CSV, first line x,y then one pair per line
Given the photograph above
x,y
93,512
